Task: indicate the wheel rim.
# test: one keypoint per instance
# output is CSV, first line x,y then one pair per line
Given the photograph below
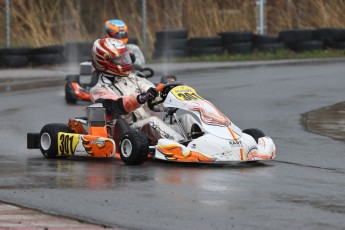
x,y
126,148
45,141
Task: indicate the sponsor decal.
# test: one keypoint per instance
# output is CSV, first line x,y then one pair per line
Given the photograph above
x,y
234,143
160,131
185,93
97,146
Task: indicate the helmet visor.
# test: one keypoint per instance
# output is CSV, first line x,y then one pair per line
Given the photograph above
x,y
118,35
124,59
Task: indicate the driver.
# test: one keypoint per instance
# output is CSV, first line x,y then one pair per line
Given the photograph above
x,y
124,95
118,29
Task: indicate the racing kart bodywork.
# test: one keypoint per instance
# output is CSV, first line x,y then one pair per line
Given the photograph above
x,y
222,140
218,141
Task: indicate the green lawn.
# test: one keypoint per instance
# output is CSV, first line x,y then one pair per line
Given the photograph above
x,y
256,56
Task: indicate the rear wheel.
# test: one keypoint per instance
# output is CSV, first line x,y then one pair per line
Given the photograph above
x,y
134,148
48,141
255,133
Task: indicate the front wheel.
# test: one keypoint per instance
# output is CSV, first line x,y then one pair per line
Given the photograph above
x,y
48,141
134,148
69,96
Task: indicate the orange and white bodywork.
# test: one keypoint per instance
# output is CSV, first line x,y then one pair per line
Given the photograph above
x,y
85,145
223,141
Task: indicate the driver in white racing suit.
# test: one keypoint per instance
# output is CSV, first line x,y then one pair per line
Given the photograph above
x,y
124,95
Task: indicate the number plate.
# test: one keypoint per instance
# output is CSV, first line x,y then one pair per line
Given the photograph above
x,y
185,93
67,143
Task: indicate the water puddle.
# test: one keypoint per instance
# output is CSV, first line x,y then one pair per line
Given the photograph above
x,y
327,121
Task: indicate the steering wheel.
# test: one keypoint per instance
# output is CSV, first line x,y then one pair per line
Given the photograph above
x,y
164,89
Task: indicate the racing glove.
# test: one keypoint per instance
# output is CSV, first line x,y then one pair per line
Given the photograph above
x,y
150,94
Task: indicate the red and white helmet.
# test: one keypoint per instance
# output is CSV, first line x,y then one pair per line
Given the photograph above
x,y
110,55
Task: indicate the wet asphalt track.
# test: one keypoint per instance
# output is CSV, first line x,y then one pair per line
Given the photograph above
x,y
302,189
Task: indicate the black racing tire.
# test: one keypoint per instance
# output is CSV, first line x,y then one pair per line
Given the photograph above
x,y
45,59
338,45
171,34
204,41
118,131
169,54
69,97
14,61
55,49
134,148
48,141
271,47
211,50
15,51
298,35
239,48
78,51
171,44
72,78
255,133
237,36
308,46
259,39
330,34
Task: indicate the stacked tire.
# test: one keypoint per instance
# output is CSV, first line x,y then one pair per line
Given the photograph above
x,y
14,57
47,55
332,38
301,40
198,46
78,51
267,43
170,44
239,42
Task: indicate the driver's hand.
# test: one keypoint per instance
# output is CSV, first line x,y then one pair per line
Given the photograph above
x,y
150,94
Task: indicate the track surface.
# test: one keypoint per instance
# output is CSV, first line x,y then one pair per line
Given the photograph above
x,y
302,189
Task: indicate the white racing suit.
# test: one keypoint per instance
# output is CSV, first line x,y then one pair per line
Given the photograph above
x,y
124,90
139,62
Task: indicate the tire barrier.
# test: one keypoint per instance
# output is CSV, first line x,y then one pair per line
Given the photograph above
x,y
267,43
76,52
245,42
174,43
205,46
237,42
301,40
47,55
170,44
14,57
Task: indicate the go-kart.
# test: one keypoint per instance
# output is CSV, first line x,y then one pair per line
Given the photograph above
x,y
77,87
220,141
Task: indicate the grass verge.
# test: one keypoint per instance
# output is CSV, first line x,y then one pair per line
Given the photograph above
x,y
259,56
